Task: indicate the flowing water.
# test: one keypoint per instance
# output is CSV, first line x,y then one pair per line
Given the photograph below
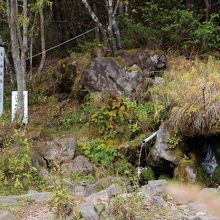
x,y
209,163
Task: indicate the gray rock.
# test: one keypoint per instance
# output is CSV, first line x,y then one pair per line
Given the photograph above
x,y
159,201
104,196
161,149
7,216
106,75
35,196
159,81
88,212
155,188
80,191
80,165
60,150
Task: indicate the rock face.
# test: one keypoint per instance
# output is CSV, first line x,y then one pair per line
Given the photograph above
x,y
155,188
106,75
162,151
59,150
145,59
65,75
79,165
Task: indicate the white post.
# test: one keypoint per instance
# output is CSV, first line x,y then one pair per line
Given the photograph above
x,y
2,52
14,106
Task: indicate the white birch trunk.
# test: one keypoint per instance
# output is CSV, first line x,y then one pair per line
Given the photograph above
x,y
43,47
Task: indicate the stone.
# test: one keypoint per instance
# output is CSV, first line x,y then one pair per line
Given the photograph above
x,y
159,81
147,60
13,200
80,165
106,75
155,188
161,150
7,216
187,171
65,75
105,195
59,150
159,201
88,212
79,192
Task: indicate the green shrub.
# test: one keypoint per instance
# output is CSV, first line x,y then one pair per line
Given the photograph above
x,y
17,174
99,153
147,174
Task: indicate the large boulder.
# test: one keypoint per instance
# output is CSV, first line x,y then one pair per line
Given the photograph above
x,y
59,150
106,75
147,60
65,75
80,165
162,151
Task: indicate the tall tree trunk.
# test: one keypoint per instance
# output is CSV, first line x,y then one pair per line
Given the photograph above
x,y
25,42
115,26
17,60
19,43
43,48
95,18
207,9
110,27
97,33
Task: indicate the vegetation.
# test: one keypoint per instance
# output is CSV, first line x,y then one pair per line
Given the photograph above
x,y
197,86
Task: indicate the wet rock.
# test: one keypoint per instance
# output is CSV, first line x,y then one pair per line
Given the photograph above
x,y
60,150
130,149
187,171
162,151
80,165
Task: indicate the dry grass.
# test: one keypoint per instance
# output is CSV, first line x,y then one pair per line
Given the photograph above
x,y
192,95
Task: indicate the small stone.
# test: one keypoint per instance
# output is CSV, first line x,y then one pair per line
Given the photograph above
x,y
88,211
155,188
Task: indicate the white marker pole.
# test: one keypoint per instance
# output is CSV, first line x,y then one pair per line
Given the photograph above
x,y
14,105
2,53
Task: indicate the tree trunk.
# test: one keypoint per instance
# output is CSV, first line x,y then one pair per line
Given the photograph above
x,y
95,18
43,48
97,34
110,27
19,43
207,9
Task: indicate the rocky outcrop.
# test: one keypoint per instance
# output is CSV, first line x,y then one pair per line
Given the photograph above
x,y
133,74
148,61
60,150
80,165
106,75
162,150
65,75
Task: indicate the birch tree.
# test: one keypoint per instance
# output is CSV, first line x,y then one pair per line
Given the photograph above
x,y
18,25
112,34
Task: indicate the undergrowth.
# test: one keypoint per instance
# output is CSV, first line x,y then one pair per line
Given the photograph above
x,y
191,95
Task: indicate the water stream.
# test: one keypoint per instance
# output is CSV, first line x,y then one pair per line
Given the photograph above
x,y
209,163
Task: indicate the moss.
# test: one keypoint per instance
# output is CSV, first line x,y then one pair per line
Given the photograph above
x,y
216,176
